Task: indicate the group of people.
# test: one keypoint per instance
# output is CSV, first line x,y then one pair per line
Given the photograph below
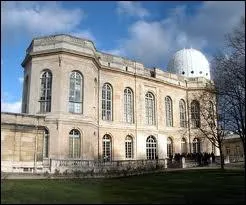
x,y
201,158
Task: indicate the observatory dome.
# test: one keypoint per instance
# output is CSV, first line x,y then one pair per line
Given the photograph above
x,y
189,63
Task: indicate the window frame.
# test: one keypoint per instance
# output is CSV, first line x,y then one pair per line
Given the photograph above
x,y
46,144
128,105
45,95
151,148
196,145
195,114
129,147
182,114
169,111
107,102
74,77
73,135
150,108
169,146
107,148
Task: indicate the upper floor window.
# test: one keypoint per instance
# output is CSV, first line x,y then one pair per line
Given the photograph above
x,y
211,113
150,108
25,94
195,114
169,111
129,147
75,92
128,105
182,113
107,102
45,92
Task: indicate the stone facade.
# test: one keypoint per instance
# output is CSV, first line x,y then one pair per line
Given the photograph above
x,y
233,148
62,54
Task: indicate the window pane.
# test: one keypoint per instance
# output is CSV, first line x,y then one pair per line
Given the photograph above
x,y
75,93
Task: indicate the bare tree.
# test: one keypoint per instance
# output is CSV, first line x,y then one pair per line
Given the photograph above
x,y
229,77
213,123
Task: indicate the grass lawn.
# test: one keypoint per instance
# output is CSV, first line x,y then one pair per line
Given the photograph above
x,y
192,186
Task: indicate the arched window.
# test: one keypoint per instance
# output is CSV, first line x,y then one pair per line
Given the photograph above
x,y
213,147
75,92
183,145
182,113
169,147
25,94
128,105
74,144
129,147
45,92
211,113
195,114
150,108
151,148
196,145
46,144
169,111
107,102
107,148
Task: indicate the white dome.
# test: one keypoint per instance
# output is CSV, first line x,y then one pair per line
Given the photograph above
x,y
190,63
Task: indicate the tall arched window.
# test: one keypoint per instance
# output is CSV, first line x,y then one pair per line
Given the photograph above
x,y
25,94
75,92
46,144
196,145
169,111
169,147
183,145
195,114
129,147
107,102
213,147
45,92
182,113
211,114
150,108
128,105
107,148
74,144
151,148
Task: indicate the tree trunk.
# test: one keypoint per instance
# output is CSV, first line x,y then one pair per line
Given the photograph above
x,y
244,151
221,157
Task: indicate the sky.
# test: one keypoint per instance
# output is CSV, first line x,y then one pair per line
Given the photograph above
x,y
147,31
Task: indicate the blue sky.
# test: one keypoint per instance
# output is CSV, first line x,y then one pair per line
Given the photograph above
x,y
150,32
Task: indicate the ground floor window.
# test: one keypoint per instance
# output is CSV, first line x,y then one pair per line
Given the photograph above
x,y
151,148
196,146
129,147
74,144
107,148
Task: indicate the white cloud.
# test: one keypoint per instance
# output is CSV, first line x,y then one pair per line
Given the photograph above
x,y
154,42
14,107
117,52
131,8
39,18
84,34
21,79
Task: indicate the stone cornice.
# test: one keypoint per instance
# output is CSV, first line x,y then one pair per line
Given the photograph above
x,y
81,47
